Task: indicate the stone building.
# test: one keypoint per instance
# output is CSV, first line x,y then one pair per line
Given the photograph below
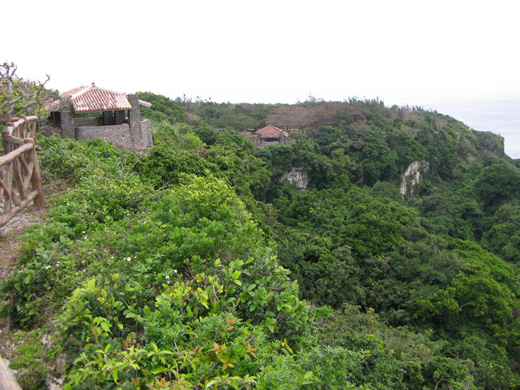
x,y
272,134
120,120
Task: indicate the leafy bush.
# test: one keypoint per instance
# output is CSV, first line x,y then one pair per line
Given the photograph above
x,y
224,306
163,166
178,136
58,255
72,160
206,133
162,109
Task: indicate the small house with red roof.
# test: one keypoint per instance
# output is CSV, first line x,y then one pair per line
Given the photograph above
x,y
272,134
120,120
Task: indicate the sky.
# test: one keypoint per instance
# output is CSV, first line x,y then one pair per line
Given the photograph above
x,y
457,54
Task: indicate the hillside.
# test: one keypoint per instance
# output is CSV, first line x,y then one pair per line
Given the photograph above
x,y
196,266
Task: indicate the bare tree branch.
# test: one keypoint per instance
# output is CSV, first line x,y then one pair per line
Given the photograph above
x,y
18,95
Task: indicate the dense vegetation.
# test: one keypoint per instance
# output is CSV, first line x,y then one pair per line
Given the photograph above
x,y
195,267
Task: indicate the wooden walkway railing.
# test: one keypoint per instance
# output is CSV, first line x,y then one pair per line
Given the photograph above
x,y
20,182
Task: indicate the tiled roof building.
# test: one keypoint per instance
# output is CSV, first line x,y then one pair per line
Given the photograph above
x,y
120,121
92,98
272,134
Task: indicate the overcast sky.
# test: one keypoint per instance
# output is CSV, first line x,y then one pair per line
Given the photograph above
x,y
423,53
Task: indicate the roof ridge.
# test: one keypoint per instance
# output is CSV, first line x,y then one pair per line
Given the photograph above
x,y
83,90
111,91
86,88
270,128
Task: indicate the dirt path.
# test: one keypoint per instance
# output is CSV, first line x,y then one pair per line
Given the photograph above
x,y
10,233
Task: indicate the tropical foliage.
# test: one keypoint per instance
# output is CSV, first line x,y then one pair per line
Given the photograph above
x,y
196,267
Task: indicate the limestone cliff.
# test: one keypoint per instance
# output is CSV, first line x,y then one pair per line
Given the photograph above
x,y
412,177
297,176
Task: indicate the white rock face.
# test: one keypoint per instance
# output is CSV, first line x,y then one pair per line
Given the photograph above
x,y
412,177
297,176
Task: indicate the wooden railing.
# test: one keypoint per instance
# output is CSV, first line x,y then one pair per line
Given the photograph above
x,y
20,182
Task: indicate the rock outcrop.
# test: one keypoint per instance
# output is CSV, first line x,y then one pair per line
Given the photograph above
x,y
412,177
297,176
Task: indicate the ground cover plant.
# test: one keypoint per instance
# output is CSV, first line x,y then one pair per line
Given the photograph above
x,y
194,266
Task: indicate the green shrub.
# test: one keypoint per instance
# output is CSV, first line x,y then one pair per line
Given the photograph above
x,y
215,308
163,166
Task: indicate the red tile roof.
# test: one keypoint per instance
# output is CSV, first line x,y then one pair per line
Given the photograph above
x,y
271,131
53,106
87,99
92,98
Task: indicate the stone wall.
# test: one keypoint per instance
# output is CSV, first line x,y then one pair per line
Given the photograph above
x,y
50,130
66,120
268,142
119,135
85,122
146,134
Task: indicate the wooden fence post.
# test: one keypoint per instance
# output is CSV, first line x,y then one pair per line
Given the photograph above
x,y
20,168
36,179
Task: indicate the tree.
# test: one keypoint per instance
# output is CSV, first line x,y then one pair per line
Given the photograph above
x,y
162,109
18,95
497,184
377,159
